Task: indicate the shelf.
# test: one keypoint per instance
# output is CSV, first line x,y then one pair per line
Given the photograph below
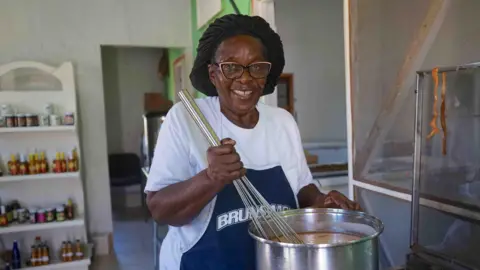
x,y
35,177
60,265
37,129
42,226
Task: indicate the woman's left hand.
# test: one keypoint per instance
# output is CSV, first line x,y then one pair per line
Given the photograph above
x,y
335,199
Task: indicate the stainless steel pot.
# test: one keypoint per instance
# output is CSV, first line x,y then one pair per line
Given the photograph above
x,y
357,255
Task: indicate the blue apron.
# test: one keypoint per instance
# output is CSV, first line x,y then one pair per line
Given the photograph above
x,y
226,244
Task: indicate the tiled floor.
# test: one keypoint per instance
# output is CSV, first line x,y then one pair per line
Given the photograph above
x,y
133,243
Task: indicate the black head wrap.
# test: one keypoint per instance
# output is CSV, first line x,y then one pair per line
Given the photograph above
x,y
234,25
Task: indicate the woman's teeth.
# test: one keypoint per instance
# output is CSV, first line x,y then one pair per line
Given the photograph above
x,y
243,94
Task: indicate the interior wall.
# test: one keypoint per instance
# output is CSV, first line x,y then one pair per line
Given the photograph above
x,y
55,31
129,73
312,34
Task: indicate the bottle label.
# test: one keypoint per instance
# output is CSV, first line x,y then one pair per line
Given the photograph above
x,y
45,258
79,254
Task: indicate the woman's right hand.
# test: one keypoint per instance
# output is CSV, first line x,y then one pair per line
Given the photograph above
x,y
224,163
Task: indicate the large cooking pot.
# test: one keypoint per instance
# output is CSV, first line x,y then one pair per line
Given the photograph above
x,y
361,254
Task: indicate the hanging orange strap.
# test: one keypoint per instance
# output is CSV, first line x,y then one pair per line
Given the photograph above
x,y
443,121
433,123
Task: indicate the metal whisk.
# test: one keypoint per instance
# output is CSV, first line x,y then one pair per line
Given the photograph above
x,y
255,203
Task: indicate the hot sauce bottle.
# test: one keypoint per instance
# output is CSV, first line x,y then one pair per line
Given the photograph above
x,y
3,216
71,164
32,167
63,162
43,163
78,250
34,260
57,164
64,251
45,255
36,158
13,165
23,168
69,210
75,158
69,257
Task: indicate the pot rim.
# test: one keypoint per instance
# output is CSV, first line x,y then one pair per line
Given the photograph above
x,y
378,222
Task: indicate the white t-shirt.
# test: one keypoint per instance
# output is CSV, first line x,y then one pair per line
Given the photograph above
x,y
180,153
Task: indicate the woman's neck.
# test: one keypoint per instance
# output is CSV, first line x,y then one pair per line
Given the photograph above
x,y
248,120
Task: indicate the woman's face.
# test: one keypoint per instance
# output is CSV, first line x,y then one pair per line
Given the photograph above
x,y
238,90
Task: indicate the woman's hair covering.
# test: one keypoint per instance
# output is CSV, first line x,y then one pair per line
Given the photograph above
x,y
234,25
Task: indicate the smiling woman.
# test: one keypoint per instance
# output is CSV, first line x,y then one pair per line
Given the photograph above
x,y
239,59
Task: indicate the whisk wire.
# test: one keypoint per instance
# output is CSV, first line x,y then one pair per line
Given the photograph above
x,y
256,205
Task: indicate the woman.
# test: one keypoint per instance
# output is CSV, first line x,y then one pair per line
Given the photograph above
x,y
239,59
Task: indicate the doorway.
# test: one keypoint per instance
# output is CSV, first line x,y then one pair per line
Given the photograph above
x,y
129,75
285,95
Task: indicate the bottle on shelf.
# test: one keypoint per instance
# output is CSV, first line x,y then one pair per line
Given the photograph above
x,y
34,256
45,255
16,260
13,165
57,163
64,251
69,210
71,164
75,158
43,163
23,167
15,206
3,216
9,213
69,252
63,162
36,158
32,167
7,266
78,250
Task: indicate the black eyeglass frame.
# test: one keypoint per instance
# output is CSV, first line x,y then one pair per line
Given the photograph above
x,y
244,68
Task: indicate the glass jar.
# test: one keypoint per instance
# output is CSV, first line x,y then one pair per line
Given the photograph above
x,y
41,216
69,119
21,120
60,214
21,217
9,120
30,119
32,215
50,215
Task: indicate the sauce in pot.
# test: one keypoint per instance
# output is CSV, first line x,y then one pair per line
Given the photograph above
x,y
318,238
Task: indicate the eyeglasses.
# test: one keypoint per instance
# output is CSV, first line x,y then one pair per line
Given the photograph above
x,y
257,70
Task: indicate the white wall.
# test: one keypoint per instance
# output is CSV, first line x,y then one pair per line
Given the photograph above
x,y
312,34
128,73
54,31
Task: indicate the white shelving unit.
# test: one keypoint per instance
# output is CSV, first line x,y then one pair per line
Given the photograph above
x,y
79,221
39,177
81,264
35,85
38,129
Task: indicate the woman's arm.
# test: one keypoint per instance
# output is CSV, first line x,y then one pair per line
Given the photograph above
x,y
179,203
309,196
